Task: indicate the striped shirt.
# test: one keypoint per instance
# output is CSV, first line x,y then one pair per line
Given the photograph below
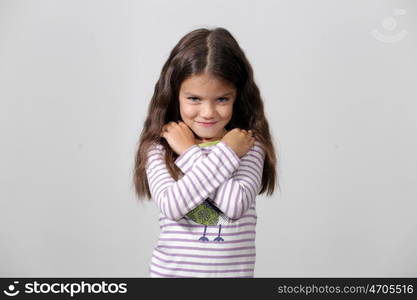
x,y
207,218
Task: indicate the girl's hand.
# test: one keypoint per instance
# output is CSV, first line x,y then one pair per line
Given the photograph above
x,y
239,140
179,136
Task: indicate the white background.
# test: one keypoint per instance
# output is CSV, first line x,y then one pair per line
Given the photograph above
x,y
76,78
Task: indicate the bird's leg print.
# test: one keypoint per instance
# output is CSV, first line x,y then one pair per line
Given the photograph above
x,y
203,238
218,238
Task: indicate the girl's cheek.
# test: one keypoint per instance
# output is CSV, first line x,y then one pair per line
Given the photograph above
x,y
183,110
190,112
226,112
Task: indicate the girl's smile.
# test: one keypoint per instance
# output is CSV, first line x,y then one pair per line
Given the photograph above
x,y
206,105
207,124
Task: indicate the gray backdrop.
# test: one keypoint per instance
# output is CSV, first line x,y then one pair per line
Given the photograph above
x,y
339,83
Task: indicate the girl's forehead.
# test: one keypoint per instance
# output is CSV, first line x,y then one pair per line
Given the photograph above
x,y
206,83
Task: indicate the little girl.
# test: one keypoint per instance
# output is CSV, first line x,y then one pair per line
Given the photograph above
x,y
204,154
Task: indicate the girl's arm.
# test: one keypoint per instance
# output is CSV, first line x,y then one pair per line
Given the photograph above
x,y
176,198
189,157
237,194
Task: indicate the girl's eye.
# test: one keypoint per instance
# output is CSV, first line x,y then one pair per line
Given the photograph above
x,y
221,100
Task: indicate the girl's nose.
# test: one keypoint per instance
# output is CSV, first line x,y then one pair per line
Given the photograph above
x,y
207,111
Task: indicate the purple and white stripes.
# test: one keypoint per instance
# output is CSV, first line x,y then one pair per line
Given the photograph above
x,y
237,181
232,183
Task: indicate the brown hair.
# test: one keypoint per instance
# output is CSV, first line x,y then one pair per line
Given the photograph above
x,y
217,53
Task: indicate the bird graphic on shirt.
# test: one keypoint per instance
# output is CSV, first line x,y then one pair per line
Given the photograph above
x,y
206,214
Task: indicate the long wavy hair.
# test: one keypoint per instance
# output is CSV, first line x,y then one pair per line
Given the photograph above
x,y
204,51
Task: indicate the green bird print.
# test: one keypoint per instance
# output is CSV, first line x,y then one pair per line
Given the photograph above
x,y
207,214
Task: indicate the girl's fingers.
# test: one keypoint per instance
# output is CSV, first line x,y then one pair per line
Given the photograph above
x,y
168,125
164,129
172,125
183,125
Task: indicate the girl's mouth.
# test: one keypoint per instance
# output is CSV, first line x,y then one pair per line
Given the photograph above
x,y
207,124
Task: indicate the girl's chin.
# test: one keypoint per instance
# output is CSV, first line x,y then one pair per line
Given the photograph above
x,y
211,137
208,134
207,138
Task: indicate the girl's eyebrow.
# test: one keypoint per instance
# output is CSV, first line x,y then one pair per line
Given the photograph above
x,y
191,94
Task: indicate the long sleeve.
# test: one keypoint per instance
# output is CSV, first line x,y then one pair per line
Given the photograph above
x,y
176,198
237,194
187,159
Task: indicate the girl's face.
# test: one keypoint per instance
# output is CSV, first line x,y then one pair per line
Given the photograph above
x,y
206,106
